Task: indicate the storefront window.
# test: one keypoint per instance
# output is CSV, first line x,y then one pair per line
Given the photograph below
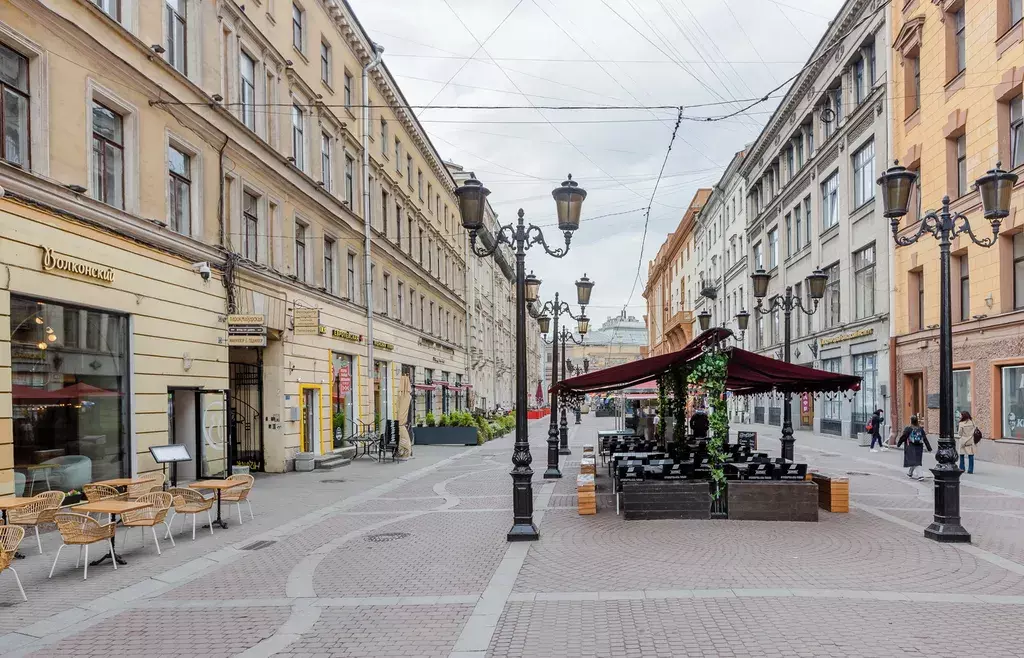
x,y
1013,402
381,401
961,394
428,402
865,403
70,401
445,394
830,405
342,396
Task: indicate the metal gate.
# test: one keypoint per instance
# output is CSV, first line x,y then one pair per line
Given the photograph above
x,y
246,433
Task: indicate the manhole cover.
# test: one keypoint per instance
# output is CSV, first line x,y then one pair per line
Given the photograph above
x,y
331,481
257,545
856,473
830,454
387,536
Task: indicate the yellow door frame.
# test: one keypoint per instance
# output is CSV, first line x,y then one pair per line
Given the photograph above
x,y
302,416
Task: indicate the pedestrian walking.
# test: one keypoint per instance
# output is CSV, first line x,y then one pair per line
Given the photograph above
x,y
875,427
914,442
967,430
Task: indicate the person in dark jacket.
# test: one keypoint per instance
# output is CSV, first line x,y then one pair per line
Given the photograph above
x,y
876,431
914,442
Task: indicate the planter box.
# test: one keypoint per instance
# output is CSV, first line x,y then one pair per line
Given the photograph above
x,y
772,500
239,470
675,499
833,492
432,436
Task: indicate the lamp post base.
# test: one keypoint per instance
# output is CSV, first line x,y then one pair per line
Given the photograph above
x,y
787,447
552,473
564,451
523,532
946,527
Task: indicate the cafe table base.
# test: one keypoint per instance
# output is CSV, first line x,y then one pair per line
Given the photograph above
x,y
218,521
113,545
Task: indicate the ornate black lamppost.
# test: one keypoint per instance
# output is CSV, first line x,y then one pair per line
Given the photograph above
x,y
547,312
788,303
569,198
563,427
995,187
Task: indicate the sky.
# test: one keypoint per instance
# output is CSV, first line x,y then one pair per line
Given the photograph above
x,y
535,54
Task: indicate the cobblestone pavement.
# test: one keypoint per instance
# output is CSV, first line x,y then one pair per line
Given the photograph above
x,y
410,559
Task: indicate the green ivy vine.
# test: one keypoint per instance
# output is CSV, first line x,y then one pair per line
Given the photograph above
x,y
709,372
663,407
678,378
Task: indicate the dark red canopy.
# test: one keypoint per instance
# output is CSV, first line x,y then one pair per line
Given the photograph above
x,y
747,374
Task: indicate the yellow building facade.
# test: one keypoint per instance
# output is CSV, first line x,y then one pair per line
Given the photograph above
x,y
183,233
958,78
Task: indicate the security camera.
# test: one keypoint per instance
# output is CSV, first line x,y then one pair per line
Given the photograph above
x,y
204,270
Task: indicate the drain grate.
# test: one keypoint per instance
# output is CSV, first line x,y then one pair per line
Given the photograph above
x,y
387,536
257,545
830,454
331,481
857,473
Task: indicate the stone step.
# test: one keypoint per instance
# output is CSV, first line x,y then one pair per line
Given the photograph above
x,y
336,459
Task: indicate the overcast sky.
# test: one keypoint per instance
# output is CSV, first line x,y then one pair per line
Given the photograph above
x,y
528,53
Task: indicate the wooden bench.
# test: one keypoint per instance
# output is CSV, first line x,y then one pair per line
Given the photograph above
x,y
833,492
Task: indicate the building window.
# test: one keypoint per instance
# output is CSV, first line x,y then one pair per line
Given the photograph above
x,y
111,8
419,182
298,26
965,289
250,225
961,165
247,95
1013,402
107,155
913,84
961,394
384,137
63,429
864,282
179,171
1015,11
431,318
776,326
960,40
789,235
832,296
14,107
350,166
1018,270
325,63
858,81
398,225
831,405
409,226
1016,132
422,305
830,202
176,35
790,162
864,174
836,94
421,245
408,170
807,219
387,294
797,228
869,51
773,248
298,137
761,344
916,281
797,294
430,194
865,403
300,251
351,278
384,211
798,145
401,301
325,162
758,257
329,275
348,89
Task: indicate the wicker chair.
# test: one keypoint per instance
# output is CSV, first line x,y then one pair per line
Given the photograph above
x,y
240,494
81,530
189,501
40,510
153,482
10,537
94,492
149,517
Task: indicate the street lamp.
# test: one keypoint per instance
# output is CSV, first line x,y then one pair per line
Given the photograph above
x,y
742,322
788,303
995,188
555,309
704,319
563,426
568,202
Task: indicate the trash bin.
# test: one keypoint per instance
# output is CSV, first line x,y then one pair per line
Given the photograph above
x,y
864,438
305,461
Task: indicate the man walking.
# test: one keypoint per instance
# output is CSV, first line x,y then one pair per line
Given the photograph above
x,y
914,441
875,427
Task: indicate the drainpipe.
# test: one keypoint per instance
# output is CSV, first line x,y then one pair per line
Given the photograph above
x,y
893,411
378,51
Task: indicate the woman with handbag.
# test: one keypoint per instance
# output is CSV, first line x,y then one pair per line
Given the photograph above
x,y
969,434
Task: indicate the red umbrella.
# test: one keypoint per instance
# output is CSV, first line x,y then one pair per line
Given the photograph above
x,y
540,393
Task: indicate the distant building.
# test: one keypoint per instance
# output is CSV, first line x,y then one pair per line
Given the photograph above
x,y
621,339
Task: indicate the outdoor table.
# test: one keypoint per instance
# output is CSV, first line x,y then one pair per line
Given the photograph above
x,y
122,482
12,502
114,508
218,486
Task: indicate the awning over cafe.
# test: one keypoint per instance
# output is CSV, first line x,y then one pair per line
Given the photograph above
x,y
747,373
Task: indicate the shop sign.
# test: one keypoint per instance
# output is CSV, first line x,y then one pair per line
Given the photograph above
x,y
54,261
247,340
306,321
347,335
845,337
252,318
344,380
246,330
383,345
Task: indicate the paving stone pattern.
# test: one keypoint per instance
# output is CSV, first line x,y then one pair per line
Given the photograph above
x,y
444,582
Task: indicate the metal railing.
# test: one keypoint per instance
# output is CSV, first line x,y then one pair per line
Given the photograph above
x,y
829,426
858,421
758,415
775,416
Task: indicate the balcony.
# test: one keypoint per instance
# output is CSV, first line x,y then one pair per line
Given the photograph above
x,y
679,330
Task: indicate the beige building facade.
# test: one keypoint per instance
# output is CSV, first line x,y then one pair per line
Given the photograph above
x,y
957,72
185,236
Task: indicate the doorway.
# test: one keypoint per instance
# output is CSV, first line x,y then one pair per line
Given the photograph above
x,y
309,413
913,395
197,419
246,380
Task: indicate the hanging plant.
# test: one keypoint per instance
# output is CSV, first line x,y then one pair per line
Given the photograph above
x,y
679,391
710,373
663,407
